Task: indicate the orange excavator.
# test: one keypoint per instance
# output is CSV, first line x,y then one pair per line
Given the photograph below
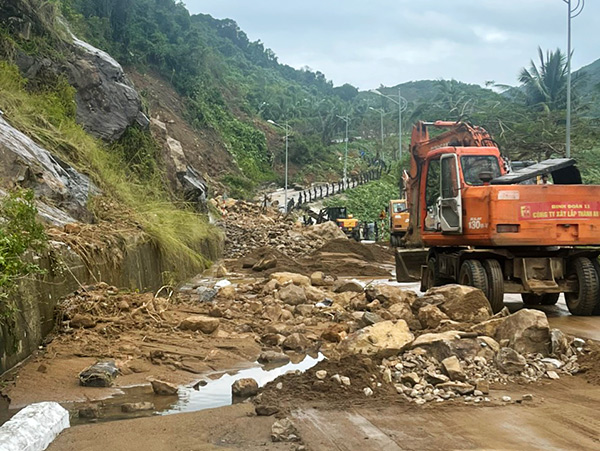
x,y
490,228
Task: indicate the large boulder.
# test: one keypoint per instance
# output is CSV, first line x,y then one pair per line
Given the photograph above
x,y
296,342
327,231
463,303
320,279
403,311
244,388
387,337
287,277
526,331
292,295
344,286
446,344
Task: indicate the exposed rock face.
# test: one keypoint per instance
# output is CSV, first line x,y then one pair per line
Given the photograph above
x,y
107,102
24,163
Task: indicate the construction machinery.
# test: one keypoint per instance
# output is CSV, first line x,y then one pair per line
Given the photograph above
x,y
399,221
346,222
486,229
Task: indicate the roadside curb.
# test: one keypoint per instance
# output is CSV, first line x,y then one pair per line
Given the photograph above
x,y
34,427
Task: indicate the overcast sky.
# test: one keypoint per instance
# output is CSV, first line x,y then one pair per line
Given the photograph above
x,y
388,42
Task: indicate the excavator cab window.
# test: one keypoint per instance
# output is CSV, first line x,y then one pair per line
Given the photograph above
x,y
473,165
399,207
432,195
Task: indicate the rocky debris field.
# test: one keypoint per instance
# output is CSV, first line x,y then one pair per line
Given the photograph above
x,y
383,344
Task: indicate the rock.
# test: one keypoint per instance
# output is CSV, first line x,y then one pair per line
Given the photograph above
x,y
292,295
244,388
430,316
206,294
461,388
227,292
403,311
527,332
506,399
124,305
367,391
387,337
100,374
270,286
345,380
483,386
578,343
552,375
268,262
80,321
137,407
453,369
489,327
321,374
389,294
462,303
435,378
273,357
273,312
163,388
559,345
221,271
296,342
319,279
510,361
266,411
345,286
304,309
527,397
387,376
337,378
204,324
287,277
89,412
411,379
368,319
314,294
284,431
446,344
427,299
335,333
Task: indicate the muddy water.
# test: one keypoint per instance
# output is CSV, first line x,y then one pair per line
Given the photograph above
x,y
215,393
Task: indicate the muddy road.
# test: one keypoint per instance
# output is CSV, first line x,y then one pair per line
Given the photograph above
x,y
337,390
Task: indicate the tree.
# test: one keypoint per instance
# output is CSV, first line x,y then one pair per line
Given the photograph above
x,y
545,86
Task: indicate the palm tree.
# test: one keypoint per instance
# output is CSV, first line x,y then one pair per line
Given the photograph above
x,y
545,86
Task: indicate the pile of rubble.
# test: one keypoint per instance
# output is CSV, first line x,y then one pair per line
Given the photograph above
x,y
249,227
444,345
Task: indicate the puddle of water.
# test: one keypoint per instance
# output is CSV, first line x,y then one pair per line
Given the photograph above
x,y
216,393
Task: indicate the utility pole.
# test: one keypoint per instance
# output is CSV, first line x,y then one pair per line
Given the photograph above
x,y
572,12
286,127
346,119
402,105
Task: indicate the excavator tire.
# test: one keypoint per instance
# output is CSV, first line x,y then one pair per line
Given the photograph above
x,y
433,269
472,273
540,299
495,281
596,264
584,301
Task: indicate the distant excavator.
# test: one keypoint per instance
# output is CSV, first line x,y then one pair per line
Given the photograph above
x,y
488,228
346,222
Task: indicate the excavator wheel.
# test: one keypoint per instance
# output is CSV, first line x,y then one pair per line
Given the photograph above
x,y
495,281
596,264
434,279
540,299
584,301
472,273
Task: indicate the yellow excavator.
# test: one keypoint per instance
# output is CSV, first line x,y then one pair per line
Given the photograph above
x,y
346,222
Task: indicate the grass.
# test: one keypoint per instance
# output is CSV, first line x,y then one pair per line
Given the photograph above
x,y
48,117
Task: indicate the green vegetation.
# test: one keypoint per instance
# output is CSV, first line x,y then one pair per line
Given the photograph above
x,y
47,114
19,233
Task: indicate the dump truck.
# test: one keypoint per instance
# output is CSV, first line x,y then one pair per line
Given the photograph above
x,y
488,228
399,221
